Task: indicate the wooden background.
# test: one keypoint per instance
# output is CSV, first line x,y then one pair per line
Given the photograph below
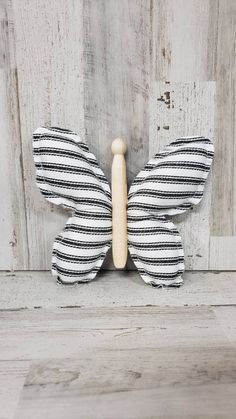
x,y
147,70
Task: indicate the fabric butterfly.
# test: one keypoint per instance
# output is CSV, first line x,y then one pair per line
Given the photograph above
x,y
171,183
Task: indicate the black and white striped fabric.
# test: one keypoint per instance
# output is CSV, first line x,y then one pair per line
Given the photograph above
x,y
171,183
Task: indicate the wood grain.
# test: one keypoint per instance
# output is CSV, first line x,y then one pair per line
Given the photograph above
x,y
115,378
112,361
222,253
179,40
50,74
223,214
12,378
116,42
22,290
99,67
52,333
211,402
13,226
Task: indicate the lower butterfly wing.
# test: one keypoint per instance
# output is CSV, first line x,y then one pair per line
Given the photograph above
x,y
79,250
171,183
68,174
156,249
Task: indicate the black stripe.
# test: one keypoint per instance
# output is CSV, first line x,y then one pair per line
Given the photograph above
x,y
78,259
158,261
156,246
191,165
167,194
53,151
88,230
175,180
81,244
71,184
52,167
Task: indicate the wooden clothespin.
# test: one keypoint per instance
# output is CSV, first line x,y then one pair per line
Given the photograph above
x,y
119,204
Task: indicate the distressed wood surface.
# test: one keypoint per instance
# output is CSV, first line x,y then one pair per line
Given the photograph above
x,y
223,218
12,378
98,67
157,403
71,332
130,390
13,226
22,290
116,355
179,40
50,74
79,360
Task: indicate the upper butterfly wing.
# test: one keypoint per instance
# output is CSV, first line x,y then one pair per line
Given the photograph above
x,y
171,183
68,174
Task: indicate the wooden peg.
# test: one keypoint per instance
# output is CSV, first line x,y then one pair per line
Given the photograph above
x,y
119,204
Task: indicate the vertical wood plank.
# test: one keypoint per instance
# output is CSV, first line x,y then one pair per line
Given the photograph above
x,y
222,253
116,42
223,214
49,46
178,106
13,228
184,109
179,40
88,65
116,48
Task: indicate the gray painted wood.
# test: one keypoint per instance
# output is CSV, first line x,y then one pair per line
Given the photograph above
x,y
50,68
118,385
102,359
122,357
71,332
94,66
211,402
13,226
12,378
227,319
179,40
22,290
223,203
116,81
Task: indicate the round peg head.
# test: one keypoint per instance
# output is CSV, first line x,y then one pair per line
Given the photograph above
x,y
118,146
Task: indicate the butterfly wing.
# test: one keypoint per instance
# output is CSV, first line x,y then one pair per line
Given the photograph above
x,y
68,174
171,183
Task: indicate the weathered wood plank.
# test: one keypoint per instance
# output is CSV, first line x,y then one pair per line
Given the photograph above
x,y
49,45
185,109
223,214
105,97
180,31
122,371
222,253
112,373
116,79
114,289
227,319
13,229
116,41
206,402
71,332
95,79
12,378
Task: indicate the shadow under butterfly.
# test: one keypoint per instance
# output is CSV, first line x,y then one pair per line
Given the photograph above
x,y
171,183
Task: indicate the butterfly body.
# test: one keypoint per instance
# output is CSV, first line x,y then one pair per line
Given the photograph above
x,y
171,183
119,204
